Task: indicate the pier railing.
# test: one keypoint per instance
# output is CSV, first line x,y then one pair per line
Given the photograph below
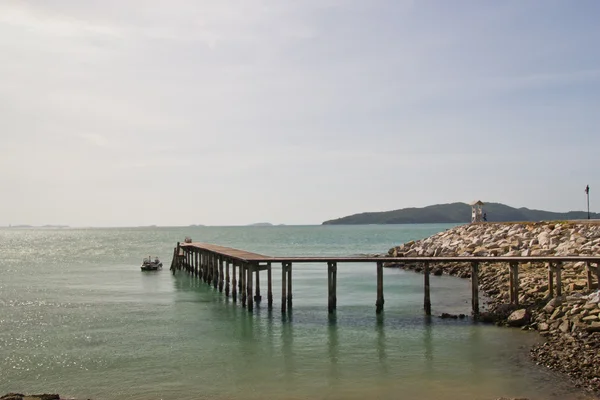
x,y
212,264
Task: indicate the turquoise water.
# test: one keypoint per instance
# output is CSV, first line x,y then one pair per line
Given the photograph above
x,y
77,317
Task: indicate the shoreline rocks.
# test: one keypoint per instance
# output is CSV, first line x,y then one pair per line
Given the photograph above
x,y
570,325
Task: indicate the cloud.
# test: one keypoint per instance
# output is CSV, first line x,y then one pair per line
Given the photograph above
x,y
94,139
255,101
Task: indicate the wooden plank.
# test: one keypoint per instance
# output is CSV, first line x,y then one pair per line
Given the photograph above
x,y
246,256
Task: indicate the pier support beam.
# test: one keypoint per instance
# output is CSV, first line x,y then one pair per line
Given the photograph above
x,y
475,288
331,286
558,271
215,263
221,275
227,278
591,271
250,269
427,290
257,296
588,272
269,286
233,283
513,283
243,283
289,286
550,279
380,300
283,286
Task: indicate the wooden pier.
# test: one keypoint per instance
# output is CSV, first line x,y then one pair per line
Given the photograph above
x,y
236,271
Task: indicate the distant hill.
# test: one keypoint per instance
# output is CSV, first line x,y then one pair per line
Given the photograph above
x,y
456,213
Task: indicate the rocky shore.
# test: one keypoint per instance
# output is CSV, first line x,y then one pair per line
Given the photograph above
x,y
570,324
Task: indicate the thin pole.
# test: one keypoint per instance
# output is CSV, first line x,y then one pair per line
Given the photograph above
x,y
588,202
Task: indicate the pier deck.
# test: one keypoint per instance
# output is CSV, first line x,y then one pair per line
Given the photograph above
x,y
212,262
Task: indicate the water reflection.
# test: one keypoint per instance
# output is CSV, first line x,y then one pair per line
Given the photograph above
x,y
381,344
333,349
428,344
287,343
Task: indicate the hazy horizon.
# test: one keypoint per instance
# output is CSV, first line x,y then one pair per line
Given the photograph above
x,y
199,224
231,113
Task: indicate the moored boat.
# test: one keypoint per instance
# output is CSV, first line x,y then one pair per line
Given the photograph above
x,y
151,265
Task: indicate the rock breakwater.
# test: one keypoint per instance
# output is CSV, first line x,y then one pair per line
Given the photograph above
x,y
570,324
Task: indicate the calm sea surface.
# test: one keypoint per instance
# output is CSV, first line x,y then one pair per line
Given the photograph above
x,y
79,318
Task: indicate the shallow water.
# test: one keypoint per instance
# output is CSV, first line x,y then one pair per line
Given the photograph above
x,y
77,317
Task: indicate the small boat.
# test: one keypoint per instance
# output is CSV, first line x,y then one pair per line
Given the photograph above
x,y
149,265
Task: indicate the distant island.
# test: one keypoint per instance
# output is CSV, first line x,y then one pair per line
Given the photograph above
x,y
261,224
455,213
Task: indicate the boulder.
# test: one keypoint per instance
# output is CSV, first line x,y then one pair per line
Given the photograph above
x,y
519,318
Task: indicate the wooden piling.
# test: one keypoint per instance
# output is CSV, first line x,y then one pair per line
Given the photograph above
x,y
331,286
283,286
289,286
558,270
475,288
380,300
511,284
250,269
240,280
427,289
515,267
243,283
588,271
221,275
598,275
269,286
233,283
227,278
550,279
257,296
215,271
334,282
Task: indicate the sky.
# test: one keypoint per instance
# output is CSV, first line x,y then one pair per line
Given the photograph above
x,y
129,113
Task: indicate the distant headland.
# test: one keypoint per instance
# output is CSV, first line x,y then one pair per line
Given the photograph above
x,y
456,213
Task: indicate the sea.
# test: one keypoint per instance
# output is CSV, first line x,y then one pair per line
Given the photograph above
x,y
78,317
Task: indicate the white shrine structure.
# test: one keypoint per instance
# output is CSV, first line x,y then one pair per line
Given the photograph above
x,y
477,214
